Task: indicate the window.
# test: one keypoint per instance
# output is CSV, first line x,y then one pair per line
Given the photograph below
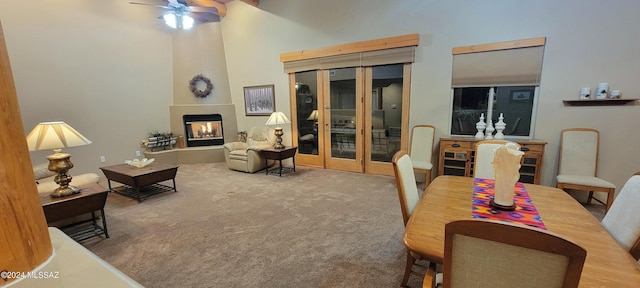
x,y
513,69
514,102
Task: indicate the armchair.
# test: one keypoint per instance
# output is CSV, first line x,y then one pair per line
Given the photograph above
x,y
245,156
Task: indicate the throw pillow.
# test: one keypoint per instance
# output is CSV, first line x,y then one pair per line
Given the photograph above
x,y
42,171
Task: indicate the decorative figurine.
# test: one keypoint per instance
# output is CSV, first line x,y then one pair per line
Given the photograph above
x,y
480,126
490,129
500,127
506,166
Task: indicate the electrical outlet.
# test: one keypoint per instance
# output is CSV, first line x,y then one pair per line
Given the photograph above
x,y
138,153
103,159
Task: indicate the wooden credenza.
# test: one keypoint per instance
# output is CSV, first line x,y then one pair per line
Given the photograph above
x,y
457,156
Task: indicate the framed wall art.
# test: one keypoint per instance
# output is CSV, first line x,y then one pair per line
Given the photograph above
x,y
259,100
521,96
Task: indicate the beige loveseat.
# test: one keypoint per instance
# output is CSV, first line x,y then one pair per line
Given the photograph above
x,y
245,156
45,178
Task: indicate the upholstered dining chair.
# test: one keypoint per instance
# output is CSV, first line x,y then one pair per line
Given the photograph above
x,y
421,149
578,164
488,253
408,195
485,151
623,221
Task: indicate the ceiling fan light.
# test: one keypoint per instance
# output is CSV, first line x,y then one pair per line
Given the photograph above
x,y
171,20
187,22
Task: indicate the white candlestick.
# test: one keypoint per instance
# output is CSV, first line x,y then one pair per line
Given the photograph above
x,y
490,105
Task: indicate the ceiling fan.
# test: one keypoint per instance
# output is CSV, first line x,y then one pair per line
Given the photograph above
x,y
181,15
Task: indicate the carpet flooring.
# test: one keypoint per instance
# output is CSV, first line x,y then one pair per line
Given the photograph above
x,y
223,228
309,228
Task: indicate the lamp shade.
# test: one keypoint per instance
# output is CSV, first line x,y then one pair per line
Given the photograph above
x,y
313,116
54,135
277,118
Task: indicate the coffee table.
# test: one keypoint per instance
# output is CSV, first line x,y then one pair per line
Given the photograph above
x,y
141,183
91,198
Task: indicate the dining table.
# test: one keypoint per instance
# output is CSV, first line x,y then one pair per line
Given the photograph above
x,y
450,198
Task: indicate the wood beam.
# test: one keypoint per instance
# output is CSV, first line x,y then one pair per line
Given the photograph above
x,y
24,237
252,2
356,47
222,9
531,42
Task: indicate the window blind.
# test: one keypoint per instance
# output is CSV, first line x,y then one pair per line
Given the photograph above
x,y
507,67
361,59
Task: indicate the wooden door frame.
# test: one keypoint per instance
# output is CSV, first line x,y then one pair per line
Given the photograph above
x,y
384,168
338,50
307,159
354,165
363,157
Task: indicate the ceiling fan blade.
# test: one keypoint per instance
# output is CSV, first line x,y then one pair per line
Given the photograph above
x,y
203,17
147,4
211,10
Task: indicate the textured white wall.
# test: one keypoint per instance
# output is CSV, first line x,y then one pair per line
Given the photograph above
x,y
200,51
104,67
587,42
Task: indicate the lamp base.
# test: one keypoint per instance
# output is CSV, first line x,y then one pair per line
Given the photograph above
x,y
64,191
60,163
278,134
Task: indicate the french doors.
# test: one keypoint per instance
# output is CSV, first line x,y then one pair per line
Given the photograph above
x,y
351,119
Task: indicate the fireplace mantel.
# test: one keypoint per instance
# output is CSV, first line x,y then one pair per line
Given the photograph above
x,y
197,154
188,155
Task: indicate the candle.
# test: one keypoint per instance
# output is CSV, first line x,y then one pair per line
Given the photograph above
x,y
490,105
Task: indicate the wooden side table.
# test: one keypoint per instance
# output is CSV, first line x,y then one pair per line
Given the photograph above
x,y
91,198
457,155
279,154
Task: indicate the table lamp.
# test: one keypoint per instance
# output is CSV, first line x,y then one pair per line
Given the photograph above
x,y
57,135
314,117
278,118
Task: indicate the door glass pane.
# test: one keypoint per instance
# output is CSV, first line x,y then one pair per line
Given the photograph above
x,y
386,114
514,102
342,91
307,112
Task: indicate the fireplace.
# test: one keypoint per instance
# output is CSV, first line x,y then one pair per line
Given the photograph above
x,y
203,130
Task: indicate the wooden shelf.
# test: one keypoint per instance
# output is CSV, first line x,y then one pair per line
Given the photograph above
x,y
596,102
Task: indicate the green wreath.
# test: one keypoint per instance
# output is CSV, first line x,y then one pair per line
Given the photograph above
x,y
194,83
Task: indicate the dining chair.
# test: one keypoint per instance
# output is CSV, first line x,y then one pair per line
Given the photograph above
x,y
484,153
623,221
408,195
421,149
578,164
489,253
513,128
